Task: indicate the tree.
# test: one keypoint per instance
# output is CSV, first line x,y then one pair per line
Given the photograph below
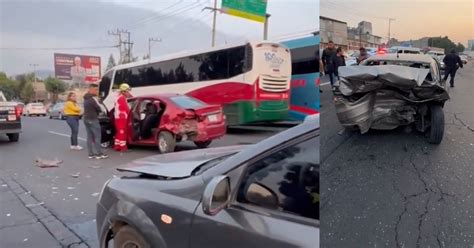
x,y
460,48
55,87
27,92
8,86
111,62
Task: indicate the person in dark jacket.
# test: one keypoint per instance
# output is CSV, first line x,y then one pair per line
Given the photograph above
x,y
362,55
328,59
338,60
91,121
451,62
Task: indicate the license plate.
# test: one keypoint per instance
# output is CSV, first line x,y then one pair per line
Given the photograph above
x,y
12,117
212,118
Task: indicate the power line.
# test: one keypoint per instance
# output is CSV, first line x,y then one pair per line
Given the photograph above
x,y
161,18
56,48
154,15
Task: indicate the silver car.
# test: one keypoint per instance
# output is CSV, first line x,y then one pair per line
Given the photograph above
x,y
264,195
392,90
57,111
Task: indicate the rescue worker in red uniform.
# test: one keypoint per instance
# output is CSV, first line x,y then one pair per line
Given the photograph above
x,y
121,118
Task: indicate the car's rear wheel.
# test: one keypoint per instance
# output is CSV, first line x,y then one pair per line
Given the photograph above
x,y
166,142
436,131
13,137
202,144
127,237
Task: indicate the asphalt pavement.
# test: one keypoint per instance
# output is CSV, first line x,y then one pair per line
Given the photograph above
x,y
393,188
55,207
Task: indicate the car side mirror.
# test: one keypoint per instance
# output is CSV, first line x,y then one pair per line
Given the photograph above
x,y
261,196
216,195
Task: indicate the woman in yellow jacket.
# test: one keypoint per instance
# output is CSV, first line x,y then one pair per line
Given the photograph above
x,y
72,112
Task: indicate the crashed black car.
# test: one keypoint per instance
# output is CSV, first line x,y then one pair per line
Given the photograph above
x,y
392,90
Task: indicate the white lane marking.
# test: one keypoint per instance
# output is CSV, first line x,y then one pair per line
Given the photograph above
x,y
65,135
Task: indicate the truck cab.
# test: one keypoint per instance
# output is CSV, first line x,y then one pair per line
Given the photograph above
x,y
10,119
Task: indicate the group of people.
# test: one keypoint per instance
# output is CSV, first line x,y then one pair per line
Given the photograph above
x,y
332,58
92,111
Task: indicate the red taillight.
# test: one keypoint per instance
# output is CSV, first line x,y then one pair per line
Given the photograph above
x,y
18,111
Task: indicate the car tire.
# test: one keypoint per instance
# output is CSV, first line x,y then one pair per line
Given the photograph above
x,y
202,144
13,137
50,117
436,131
166,142
129,236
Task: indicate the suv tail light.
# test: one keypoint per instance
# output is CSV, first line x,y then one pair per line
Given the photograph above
x,y
18,111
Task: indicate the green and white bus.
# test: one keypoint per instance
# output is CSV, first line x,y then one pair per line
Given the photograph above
x,y
251,81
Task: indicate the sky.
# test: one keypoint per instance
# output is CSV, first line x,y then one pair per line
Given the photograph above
x,y
414,18
174,21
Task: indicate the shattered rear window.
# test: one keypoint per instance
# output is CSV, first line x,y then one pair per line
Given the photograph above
x,y
401,63
186,102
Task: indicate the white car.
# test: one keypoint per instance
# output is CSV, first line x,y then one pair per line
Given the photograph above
x,y
35,108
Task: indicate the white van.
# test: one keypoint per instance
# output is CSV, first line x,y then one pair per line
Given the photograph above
x,y
400,49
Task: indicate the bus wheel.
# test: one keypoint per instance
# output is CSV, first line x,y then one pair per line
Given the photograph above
x,y
166,142
202,144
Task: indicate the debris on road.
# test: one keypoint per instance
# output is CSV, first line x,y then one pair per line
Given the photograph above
x,y
34,205
8,215
70,188
75,175
95,166
54,187
45,163
4,185
25,240
95,194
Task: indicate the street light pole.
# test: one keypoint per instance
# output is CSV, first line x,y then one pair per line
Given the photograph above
x,y
34,75
265,27
389,24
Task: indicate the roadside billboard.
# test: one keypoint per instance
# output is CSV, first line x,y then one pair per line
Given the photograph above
x,y
254,10
79,69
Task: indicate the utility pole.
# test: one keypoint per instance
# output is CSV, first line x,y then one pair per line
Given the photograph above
x,y
118,34
214,20
389,24
265,27
34,75
126,52
150,40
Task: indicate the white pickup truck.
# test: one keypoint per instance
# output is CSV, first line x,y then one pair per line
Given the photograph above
x,y
10,119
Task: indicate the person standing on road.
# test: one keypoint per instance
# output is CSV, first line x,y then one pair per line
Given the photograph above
x,y
362,55
452,62
121,111
328,59
72,112
338,61
91,121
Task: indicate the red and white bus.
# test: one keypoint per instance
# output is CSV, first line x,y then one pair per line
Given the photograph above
x,y
251,81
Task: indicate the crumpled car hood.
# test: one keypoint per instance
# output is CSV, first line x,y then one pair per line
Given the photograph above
x,y
360,79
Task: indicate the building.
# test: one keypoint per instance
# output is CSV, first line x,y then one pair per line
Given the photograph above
x,y
332,29
470,45
41,94
362,36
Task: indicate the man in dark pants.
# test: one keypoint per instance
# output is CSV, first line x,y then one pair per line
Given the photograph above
x,y
91,121
451,63
328,61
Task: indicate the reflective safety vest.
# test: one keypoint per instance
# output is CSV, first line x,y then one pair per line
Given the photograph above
x,y
121,107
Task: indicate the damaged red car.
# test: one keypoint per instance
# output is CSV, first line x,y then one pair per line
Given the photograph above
x,y
163,120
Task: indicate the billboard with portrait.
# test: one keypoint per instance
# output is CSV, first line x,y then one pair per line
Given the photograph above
x,y
78,69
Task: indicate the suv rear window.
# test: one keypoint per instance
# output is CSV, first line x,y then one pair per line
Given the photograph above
x,y
187,102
